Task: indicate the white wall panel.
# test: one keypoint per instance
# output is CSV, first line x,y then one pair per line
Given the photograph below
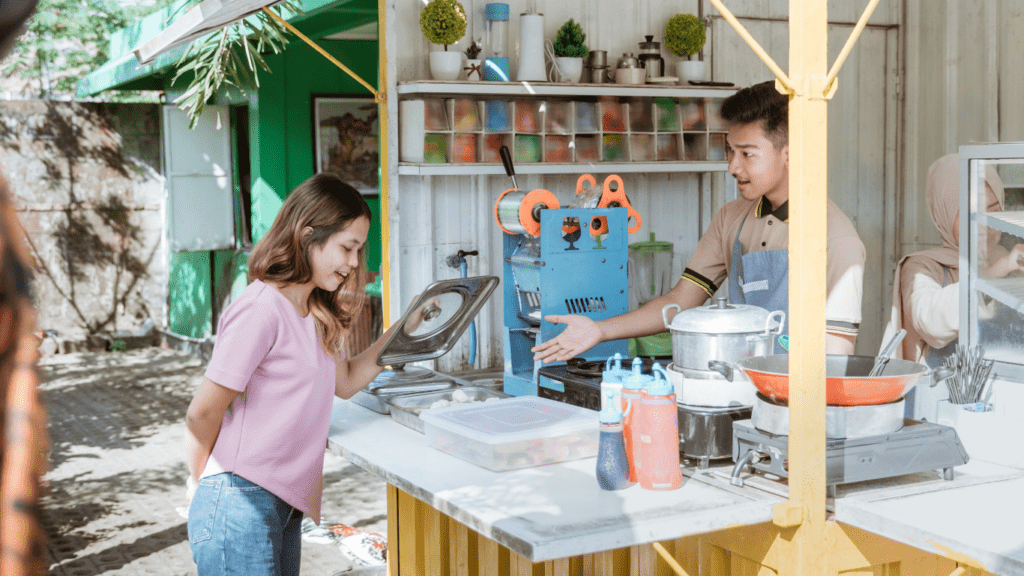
x,y
440,215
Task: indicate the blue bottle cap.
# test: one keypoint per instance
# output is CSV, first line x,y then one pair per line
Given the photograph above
x,y
636,380
610,415
618,373
497,11
659,384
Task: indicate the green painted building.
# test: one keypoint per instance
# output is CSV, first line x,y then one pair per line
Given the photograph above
x,y
269,142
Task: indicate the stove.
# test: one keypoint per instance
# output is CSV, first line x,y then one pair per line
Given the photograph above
x,y
916,447
705,433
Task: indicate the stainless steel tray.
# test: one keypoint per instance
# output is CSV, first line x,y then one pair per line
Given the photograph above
x,y
406,408
375,397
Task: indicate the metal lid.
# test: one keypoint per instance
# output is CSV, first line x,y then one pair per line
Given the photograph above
x,y
651,246
650,45
448,306
721,317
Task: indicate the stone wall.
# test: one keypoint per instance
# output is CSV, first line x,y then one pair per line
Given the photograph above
x,y
88,186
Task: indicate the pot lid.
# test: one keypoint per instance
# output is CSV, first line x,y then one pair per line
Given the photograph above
x,y
448,307
651,246
721,317
650,44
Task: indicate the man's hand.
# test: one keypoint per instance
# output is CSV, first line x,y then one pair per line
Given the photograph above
x,y
581,334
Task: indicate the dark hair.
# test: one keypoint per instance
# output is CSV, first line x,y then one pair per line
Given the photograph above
x,y
327,205
760,103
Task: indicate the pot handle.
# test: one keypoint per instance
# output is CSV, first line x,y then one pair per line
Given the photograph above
x,y
938,374
780,321
724,368
664,313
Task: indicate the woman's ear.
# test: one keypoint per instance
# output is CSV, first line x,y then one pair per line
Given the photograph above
x,y
306,233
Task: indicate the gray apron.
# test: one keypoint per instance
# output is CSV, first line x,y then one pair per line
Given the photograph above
x,y
923,401
760,279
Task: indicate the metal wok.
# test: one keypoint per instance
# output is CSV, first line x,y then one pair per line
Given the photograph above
x,y
847,382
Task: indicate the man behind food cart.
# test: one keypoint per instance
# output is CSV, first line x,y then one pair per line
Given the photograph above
x,y
746,242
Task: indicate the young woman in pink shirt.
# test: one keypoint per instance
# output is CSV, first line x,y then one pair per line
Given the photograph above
x,y
258,423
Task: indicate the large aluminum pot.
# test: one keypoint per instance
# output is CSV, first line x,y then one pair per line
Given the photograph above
x,y
721,331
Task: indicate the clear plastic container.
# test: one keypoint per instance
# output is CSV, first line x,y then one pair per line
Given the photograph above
x,y
513,432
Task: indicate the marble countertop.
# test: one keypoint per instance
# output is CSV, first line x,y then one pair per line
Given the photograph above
x,y
975,518
543,512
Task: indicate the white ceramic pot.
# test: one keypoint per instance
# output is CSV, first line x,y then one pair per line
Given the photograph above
x,y
569,69
688,70
474,69
445,65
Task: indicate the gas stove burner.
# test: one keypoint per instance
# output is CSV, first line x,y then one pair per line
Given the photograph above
x,y
772,416
595,368
916,447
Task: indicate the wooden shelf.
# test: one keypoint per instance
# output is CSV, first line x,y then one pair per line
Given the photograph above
x,y
484,88
407,169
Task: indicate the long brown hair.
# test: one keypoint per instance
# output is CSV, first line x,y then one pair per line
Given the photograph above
x,y
327,205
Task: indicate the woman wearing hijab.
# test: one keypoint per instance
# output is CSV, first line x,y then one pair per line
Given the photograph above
x,y
926,291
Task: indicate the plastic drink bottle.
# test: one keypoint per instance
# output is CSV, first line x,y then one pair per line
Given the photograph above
x,y
612,465
611,381
632,388
658,434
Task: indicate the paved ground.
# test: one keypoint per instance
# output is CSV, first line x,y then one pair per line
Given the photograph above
x,y
117,470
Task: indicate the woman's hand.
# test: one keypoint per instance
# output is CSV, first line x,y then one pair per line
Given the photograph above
x,y
1005,263
581,334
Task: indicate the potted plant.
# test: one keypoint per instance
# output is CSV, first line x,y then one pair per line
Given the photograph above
x,y
444,22
474,69
684,37
570,51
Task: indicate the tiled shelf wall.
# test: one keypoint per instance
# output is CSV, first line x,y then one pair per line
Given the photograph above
x,y
464,130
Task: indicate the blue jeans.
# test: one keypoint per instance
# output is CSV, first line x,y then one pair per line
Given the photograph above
x,y
237,527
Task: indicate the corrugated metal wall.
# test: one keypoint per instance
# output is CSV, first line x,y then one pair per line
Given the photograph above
x,y
432,217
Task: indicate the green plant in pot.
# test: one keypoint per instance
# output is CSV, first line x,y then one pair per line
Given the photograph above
x,y
443,22
685,36
570,50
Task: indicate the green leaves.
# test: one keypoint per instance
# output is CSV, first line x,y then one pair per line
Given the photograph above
x,y
443,22
569,41
230,57
684,35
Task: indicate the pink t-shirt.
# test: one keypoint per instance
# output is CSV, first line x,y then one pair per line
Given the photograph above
x,y
275,432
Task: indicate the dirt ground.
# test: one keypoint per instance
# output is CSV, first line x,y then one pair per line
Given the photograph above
x,y
117,470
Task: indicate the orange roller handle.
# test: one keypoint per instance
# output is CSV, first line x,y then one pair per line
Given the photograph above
x,y
582,179
534,198
618,197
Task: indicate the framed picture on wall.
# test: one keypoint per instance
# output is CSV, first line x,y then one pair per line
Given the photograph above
x,y
346,137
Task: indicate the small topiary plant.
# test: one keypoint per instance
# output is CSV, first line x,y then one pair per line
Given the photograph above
x,y
684,35
443,22
569,41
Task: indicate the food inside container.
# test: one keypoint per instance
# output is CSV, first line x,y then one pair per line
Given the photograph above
x,y
406,408
513,432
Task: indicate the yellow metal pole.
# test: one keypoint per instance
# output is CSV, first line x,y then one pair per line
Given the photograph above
x,y
382,103
808,196
849,46
754,45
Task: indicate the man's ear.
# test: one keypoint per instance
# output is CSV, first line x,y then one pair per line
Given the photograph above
x,y
785,155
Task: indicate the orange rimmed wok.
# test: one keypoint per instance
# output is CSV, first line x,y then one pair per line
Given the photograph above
x,y
847,380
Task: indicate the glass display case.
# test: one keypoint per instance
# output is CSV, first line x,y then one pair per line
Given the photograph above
x,y
991,250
